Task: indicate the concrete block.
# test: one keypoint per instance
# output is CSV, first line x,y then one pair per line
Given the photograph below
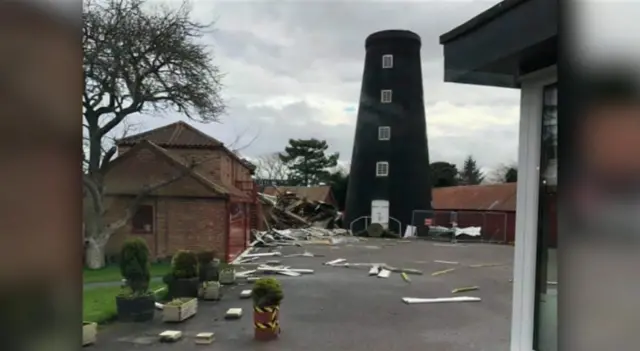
x,y
170,335
204,338
233,313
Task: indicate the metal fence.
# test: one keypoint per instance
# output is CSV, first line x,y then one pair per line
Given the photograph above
x,y
449,226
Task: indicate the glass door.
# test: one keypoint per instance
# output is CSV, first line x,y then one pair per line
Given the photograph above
x,y
546,304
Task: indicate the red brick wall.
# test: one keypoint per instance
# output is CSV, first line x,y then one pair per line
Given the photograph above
x,y
180,223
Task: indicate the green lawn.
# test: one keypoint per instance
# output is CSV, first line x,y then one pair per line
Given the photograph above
x,y
112,273
99,304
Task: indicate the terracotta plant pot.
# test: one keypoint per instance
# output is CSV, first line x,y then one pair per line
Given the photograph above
x,y
266,323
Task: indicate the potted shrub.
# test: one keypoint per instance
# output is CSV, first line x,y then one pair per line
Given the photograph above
x,y
208,268
135,303
183,279
177,310
267,295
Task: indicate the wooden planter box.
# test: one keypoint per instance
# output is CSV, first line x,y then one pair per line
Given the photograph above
x,y
178,313
228,276
89,332
211,291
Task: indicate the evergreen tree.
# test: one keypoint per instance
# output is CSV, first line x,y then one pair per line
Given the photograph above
x,y
443,174
306,161
470,173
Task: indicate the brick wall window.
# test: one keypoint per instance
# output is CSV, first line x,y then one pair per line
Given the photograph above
x,y
142,221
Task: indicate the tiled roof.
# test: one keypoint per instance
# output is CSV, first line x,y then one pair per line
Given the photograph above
x,y
175,134
491,197
313,193
219,188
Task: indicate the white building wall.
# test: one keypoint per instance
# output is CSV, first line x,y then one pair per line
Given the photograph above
x,y
524,270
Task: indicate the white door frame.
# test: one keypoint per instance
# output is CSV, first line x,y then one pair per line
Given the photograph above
x,y
524,267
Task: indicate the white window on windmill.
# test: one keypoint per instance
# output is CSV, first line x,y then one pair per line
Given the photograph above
x,y
382,169
385,96
387,61
384,133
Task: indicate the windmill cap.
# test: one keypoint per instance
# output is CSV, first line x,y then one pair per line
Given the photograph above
x,y
392,34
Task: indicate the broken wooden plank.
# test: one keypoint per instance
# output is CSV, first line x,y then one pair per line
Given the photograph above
x,y
263,254
405,277
481,265
446,262
402,270
465,289
301,270
336,261
434,274
416,300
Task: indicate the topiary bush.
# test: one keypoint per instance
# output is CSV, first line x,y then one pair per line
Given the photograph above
x,y
206,257
267,292
134,265
184,265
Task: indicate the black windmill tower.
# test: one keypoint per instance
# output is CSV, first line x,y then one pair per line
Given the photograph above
x,y
390,159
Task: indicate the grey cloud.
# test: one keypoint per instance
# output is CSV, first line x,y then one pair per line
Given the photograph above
x,y
274,49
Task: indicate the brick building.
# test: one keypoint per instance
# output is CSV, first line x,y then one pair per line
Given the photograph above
x,y
210,205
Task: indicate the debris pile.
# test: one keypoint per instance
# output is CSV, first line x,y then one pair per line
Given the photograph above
x,y
380,270
300,236
287,211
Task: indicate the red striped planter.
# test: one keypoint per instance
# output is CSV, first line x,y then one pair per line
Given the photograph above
x,y
266,323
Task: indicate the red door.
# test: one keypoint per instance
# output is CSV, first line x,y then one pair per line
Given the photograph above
x,y
237,230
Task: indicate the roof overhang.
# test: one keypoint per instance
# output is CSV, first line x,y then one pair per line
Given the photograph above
x,y
495,48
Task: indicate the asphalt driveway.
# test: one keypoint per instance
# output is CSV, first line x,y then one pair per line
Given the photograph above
x,y
339,308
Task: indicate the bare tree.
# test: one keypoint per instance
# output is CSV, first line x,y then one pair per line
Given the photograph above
x,y
270,167
505,173
137,61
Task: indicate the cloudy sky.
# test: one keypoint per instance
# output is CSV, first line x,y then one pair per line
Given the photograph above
x,y
294,69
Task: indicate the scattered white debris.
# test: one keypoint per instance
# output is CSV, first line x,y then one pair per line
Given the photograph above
x,y
170,335
245,274
415,300
384,273
263,254
374,270
446,262
470,231
410,231
233,313
278,270
336,261
204,338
